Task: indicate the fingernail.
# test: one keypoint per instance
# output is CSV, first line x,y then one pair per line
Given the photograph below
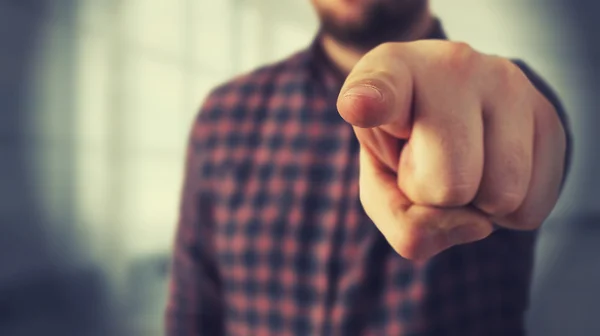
x,y
466,234
367,91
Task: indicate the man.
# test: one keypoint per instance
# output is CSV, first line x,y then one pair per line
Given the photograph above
x,y
403,201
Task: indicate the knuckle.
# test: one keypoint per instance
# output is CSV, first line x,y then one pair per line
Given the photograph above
x,y
523,220
387,48
460,57
459,48
508,78
503,191
501,204
506,70
418,234
526,223
454,195
549,124
409,246
409,237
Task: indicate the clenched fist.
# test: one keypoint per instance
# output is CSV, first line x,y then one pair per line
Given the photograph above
x,y
452,142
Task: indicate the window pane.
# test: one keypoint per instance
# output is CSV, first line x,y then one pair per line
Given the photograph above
x,y
153,104
158,25
151,196
250,41
93,94
212,31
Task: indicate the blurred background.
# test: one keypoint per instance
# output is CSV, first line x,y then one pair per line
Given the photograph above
x,y
96,101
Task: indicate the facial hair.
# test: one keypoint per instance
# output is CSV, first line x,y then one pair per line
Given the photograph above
x,y
382,22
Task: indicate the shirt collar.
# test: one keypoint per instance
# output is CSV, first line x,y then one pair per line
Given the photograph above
x,y
330,77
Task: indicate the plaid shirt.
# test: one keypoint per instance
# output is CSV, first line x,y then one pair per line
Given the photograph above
x,y
272,238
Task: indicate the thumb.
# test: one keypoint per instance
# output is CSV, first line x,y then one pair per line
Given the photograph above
x,y
378,92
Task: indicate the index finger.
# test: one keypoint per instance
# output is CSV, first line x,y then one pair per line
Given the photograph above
x,y
423,92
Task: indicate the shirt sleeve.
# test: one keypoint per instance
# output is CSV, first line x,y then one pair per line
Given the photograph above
x,y
544,88
195,304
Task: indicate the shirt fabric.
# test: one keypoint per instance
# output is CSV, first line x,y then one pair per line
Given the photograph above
x,y
272,238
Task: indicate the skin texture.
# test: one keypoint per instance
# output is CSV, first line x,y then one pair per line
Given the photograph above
x,y
452,140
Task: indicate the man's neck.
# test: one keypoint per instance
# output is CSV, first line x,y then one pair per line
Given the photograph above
x,y
345,57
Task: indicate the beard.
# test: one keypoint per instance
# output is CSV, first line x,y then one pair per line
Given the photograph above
x,y
382,21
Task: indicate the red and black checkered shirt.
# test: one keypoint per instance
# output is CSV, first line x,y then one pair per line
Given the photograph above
x,y
272,238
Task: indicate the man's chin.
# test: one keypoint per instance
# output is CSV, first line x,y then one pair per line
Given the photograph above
x,y
373,23
359,38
